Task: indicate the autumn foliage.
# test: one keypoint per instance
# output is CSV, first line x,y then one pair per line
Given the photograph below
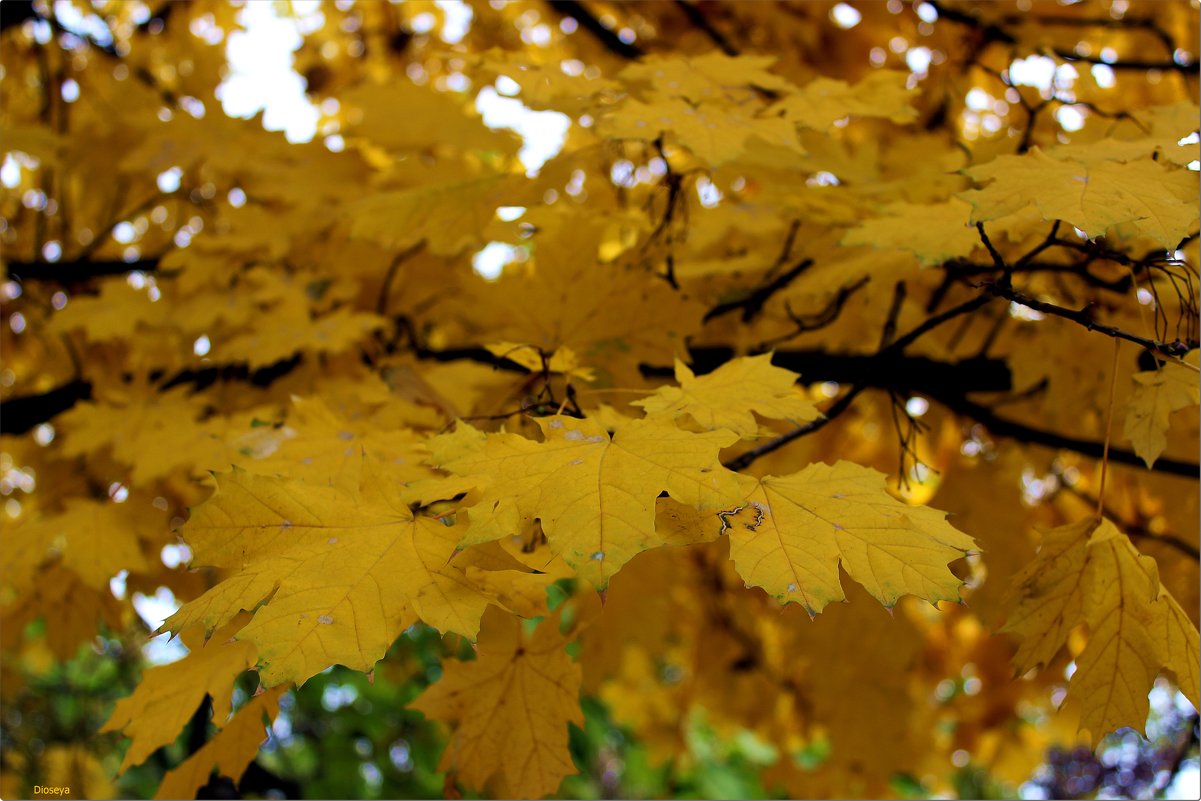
x,y
833,420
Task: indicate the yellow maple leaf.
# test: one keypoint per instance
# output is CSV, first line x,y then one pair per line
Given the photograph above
x,y
96,540
1090,573
522,591
716,132
231,750
324,448
704,77
71,608
795,531
344,572
168,695
293,330
546,86
382,113
1050,596
727,397
152,432
1154,132
819,103
450,217
575,302
593,492
934,232
1158,393
116,312
510,707
563,360
1159,202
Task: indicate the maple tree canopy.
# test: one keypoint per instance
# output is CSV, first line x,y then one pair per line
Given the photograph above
x,y
827,425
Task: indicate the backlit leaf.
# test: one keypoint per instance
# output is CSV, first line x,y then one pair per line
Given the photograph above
x,y
510,708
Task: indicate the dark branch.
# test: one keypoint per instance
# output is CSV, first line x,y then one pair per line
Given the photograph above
x,y
1183,67
1035,436
753,303
73,272
892,370
1119,285
1129,527
606,36
14,12
989,31
999,31
838,407
817,320
697,18
18,415
1084,317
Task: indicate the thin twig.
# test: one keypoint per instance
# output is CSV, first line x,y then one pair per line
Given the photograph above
x,y
839,406
1113,382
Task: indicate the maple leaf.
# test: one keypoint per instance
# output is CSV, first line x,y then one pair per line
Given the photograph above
x,y
1094,197
716,133
168,695
1089,573
934,232
569,304
448,217
1150,133
1158,393
706,76
339,585
593,492
822,101
230,752
796,531
546,87
95,540
726,397
295,330
382,111
563,360
117,311
70,605
510,707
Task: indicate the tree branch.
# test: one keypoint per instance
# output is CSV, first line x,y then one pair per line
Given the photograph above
x,y
1084,317
753,303
15,12
1036,436
697,18
21,414
1129,527
839,406
1183,67
610,40
816,320
73,272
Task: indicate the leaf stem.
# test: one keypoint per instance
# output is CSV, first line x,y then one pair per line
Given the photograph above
x,y
1113,382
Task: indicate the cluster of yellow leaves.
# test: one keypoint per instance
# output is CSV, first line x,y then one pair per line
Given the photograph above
x,y
329,567
348,518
